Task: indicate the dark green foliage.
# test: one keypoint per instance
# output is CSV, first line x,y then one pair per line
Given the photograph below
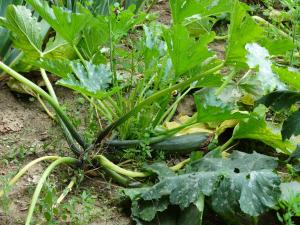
x,y
234,183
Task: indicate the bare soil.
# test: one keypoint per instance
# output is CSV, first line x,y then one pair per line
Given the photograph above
x,y
26,133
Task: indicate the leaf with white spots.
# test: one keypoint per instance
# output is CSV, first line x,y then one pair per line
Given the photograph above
x,y
91,80
258,56
242,182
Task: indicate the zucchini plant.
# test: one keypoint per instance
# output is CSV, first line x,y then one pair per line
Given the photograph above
x,y
168,59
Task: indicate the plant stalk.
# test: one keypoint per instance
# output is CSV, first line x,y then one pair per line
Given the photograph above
x,y
62,160
149,100
107,164
111,166
14,180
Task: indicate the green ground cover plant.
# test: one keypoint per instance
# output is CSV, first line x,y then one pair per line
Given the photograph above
x,y
135,71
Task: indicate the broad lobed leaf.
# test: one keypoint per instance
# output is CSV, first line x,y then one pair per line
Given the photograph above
x,y
88,79
63,21
256,127
234,183
183,10
186,53
26,30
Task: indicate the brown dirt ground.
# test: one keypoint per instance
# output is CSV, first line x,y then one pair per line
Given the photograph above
x,y
26,133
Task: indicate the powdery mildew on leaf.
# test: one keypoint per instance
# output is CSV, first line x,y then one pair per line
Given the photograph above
x,y
90,79
259,56
242,181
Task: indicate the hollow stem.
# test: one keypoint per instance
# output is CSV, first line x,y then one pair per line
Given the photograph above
x,y
225,83
14,180
124,181
62,160
79,55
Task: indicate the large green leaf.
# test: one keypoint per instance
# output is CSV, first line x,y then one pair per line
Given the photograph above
x,y
291,125
68,24
94,37
242,30
5,42
256,127
183,10
280,100
59,67
242,181
283,100
192,215
89,79
59,48
26,30
212,109
288,76
186,53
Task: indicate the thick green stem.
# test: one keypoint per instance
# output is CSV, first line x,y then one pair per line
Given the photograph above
x,y
124,181
49,85
62,160
170,112
107,164
79,55
66,132
180,165
227,144
14,180
111,166
149,100
49,99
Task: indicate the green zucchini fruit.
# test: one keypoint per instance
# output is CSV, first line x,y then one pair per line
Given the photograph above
x,y
175,144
